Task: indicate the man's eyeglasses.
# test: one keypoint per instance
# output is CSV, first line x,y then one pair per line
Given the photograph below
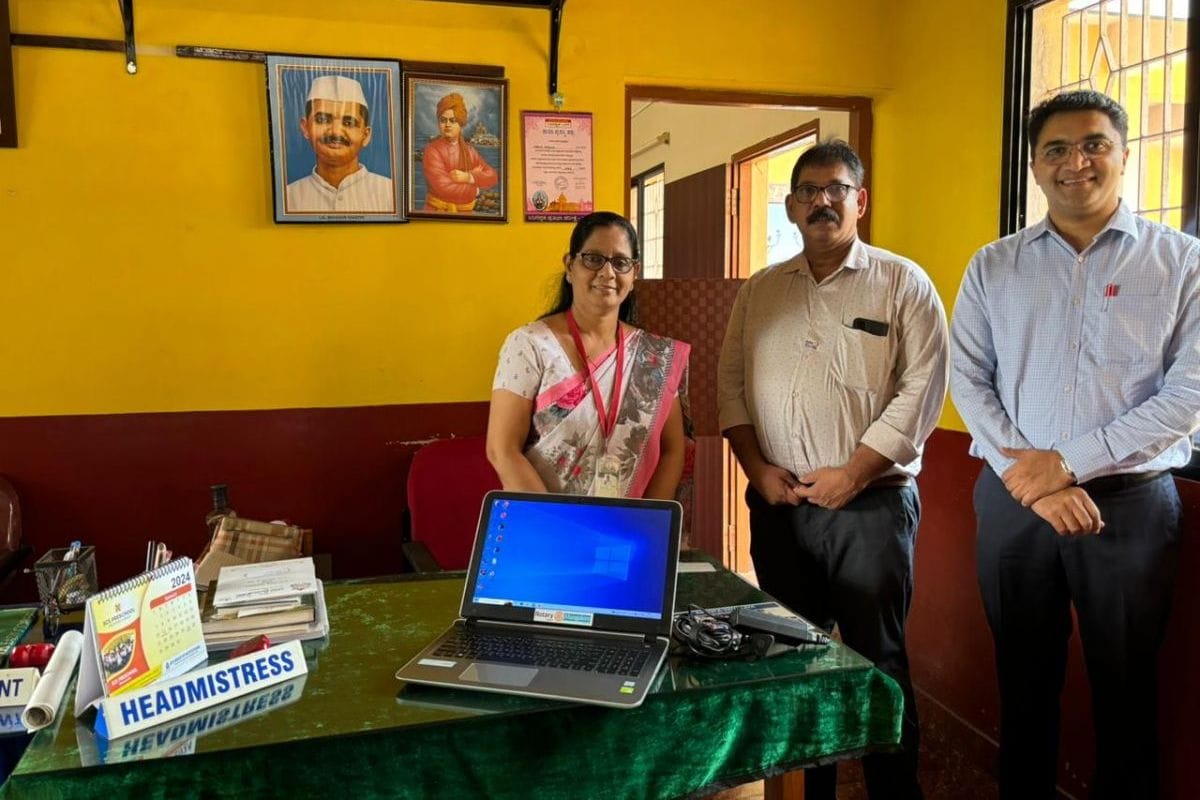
x,y
596,261
834,192
1059,152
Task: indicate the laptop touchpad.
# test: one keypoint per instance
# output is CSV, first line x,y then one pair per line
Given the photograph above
x,y
501,674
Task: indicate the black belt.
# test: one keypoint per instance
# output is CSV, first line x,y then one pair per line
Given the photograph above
x,y
886,481
1106,484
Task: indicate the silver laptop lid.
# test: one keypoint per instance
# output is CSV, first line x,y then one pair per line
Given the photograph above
x,y
580,562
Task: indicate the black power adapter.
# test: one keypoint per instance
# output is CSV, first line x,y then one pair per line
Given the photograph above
x,y
790,630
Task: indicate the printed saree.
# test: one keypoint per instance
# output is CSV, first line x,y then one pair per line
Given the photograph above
x,y
565,439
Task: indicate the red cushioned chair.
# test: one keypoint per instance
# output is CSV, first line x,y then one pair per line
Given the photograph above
x,y
446,484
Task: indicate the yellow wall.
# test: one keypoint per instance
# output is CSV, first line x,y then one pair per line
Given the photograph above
x,y
141,271
937,145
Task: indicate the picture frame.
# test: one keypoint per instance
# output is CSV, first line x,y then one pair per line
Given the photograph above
x,y
336,139
8,83
557,166
457,135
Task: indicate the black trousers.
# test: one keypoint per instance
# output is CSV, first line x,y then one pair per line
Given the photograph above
x,y
854,568
1120,582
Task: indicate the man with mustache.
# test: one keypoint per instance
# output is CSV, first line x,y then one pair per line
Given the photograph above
x,y
337,124
1076,367
832,375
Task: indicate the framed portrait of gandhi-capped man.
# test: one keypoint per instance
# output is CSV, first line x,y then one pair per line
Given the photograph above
x,y
457,146
337,138
8,86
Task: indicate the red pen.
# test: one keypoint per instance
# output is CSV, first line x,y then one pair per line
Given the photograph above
x,y
1110,291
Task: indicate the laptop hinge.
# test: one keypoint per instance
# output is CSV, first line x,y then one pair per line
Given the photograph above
x,y
651,638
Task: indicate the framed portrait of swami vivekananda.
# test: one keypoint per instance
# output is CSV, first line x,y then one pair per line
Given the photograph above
x,y
8,86
457,147
337,138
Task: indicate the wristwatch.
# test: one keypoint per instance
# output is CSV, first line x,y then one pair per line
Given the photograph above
x,y
1062,462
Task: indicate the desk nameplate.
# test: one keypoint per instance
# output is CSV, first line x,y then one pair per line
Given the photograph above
x,y
157,703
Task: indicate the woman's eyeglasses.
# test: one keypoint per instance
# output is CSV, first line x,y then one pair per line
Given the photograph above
x,y
596,261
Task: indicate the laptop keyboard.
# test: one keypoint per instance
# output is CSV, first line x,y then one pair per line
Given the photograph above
x,y
611,659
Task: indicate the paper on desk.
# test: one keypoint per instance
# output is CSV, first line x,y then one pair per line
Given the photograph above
x,y
696,566
48,696
267,582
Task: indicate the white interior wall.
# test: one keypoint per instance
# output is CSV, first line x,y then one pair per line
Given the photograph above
x,y
703,136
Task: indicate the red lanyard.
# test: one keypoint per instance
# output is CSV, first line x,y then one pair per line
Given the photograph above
x,y
607,423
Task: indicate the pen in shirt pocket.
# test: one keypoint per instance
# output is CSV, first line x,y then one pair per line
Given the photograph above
x,y
1110,291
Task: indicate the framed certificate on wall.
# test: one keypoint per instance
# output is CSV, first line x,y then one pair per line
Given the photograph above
x,y
557,154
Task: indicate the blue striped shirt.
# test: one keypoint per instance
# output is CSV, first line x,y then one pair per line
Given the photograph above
x,y
1095,354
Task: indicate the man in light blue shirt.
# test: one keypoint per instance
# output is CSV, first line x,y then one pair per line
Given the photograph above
x,y
1075,363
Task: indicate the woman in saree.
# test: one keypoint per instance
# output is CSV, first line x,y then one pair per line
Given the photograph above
x,y
583,401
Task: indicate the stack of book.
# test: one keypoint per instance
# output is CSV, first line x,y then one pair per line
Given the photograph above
x,y
282,599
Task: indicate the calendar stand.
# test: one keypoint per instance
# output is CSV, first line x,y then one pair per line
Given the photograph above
x,y
139,632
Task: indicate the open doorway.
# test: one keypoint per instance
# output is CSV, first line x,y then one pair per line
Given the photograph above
x,y
707,172
760,176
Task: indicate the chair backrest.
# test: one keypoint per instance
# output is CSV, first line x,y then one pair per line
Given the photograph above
x,y
10,516
446,484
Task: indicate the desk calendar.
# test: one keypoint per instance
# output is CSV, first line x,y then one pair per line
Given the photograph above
x,y
144,630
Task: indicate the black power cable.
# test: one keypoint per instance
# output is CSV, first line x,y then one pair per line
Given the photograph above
x,y
710,636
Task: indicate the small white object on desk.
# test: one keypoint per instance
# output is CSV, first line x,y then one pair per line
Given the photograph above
x,y
266,582
48,695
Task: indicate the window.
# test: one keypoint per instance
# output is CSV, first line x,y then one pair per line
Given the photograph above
x,y
646,194
1135,51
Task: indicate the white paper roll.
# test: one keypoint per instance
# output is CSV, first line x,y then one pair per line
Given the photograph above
x,y
47,697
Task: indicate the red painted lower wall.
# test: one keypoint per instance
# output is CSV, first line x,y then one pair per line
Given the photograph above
x,y
951,648
117,480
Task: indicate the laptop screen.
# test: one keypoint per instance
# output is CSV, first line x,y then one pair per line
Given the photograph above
x,y
575,561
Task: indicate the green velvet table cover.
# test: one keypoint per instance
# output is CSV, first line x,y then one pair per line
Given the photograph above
x,y
350,729
14,624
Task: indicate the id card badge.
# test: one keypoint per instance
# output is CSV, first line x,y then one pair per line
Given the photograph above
x,y
608,477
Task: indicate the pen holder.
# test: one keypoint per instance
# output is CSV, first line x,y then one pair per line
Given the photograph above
x,y
66,583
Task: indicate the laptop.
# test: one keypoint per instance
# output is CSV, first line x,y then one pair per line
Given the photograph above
x,y
566,597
